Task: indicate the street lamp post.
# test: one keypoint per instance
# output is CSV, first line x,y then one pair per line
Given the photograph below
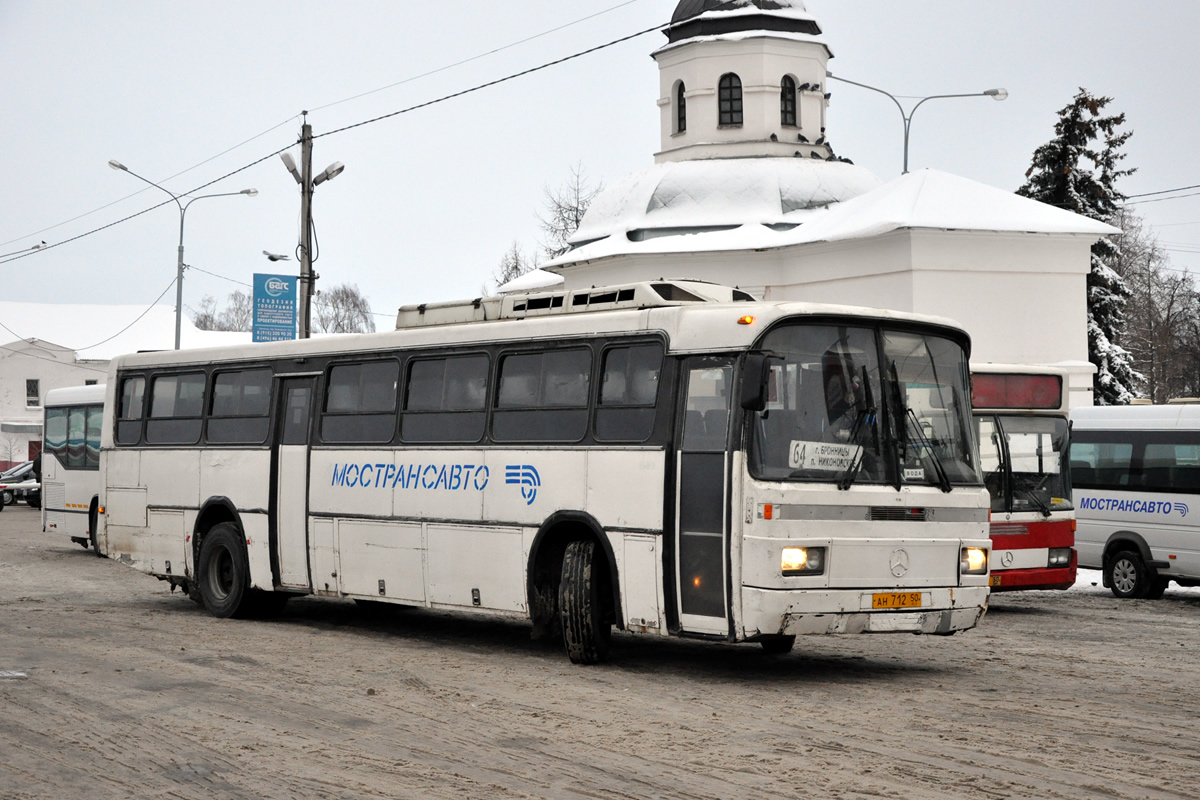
x,y
996,94
183,207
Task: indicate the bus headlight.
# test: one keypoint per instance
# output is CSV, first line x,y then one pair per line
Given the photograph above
x,y
1059,557
974,561
803,560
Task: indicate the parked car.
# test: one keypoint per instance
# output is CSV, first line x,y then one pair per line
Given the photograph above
x,y
18,483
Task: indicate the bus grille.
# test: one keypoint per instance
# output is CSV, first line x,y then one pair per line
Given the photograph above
x,y
56,496
887,514
1009,528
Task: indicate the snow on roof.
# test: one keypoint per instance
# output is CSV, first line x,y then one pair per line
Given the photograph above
x,y
725,191
101,332
924,199
530,281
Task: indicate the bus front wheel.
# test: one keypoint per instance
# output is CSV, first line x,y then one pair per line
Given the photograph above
x,y
1128,576
581,605
224,571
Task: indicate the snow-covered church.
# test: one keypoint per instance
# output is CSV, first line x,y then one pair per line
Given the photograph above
x,y
745,190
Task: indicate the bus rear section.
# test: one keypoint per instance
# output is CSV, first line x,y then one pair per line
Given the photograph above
x,y
71,463
1021,421
1137,477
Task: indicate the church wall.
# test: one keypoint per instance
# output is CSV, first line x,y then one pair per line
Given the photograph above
x,y
761,64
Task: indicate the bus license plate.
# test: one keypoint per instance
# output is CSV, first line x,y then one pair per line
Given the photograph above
x,y
994,580
896,600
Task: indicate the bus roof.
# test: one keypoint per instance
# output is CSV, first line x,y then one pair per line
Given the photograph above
x,y
74,395
1141,418
696,327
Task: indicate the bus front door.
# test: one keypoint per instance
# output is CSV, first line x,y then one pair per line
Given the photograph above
x,y
701,496
289,502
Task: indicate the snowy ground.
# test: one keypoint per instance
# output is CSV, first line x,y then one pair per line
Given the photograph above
x,y
1091,581
112,687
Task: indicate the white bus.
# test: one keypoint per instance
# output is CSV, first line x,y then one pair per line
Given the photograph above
x,y
664,457
1136,471
1021,418
71,462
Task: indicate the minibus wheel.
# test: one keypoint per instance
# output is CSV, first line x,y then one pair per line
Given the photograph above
x,y
224,571
777,645
1128,576
585,633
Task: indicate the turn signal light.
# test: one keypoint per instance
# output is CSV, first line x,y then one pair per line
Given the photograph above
x,y
746,320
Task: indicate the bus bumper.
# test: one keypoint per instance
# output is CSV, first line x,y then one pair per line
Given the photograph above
x,y
943,611
1043,578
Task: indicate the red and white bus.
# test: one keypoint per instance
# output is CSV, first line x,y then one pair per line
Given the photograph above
x,y
1021,418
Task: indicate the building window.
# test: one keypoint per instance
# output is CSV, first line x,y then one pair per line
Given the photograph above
x,y
680,109
729,96
32,393
787,101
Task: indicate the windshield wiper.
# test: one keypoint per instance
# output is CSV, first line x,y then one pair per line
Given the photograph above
x,y
943,478
865,417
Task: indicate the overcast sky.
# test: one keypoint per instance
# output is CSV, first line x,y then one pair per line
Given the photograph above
x,y
185,93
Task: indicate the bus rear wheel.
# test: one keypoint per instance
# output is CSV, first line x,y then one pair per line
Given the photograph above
x,y
586,634
224,571
777,645
1128,576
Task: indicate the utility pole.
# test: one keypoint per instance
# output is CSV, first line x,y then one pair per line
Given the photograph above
x,y
307,278
304,177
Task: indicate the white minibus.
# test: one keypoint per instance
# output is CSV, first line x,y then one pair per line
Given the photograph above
x,y
1136,473
71,462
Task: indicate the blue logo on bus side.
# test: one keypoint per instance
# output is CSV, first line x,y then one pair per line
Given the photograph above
x,y
1133,506
527,477
443,477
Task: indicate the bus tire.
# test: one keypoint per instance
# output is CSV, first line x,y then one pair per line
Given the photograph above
x,y
1128,576
93,538
224,572
1158,586
777,645
585,633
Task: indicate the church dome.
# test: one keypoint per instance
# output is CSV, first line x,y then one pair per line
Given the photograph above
x,y
716,17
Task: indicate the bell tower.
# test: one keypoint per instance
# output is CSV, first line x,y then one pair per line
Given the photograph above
x,y
742,78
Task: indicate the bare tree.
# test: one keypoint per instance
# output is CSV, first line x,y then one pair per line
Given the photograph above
x,y
343,309
513,264
1161,312
564,210
238,315
11,449
205,315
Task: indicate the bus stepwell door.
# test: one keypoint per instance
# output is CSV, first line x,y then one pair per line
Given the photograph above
x,y
290,501
701,496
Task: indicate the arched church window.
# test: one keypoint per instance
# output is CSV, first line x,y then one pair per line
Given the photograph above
x,y
729,98
787,101
680,109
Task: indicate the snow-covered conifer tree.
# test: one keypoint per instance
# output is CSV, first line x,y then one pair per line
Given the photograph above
x,y
1077,170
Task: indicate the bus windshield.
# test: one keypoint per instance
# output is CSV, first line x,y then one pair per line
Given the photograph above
x,y
1026,470
851,404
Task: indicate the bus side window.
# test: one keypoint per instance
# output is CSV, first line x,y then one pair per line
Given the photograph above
x,y
56,434
129,418
629,392
76,437
176,409
543,397
240,407
95,422
445,400
360,405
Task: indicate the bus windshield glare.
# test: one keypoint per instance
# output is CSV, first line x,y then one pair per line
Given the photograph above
x,y
1034,479
849,404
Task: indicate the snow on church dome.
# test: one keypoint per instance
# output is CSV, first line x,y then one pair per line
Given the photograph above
x,y
714,17
681,197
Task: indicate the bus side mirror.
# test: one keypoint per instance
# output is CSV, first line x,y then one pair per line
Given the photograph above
x,y
756,372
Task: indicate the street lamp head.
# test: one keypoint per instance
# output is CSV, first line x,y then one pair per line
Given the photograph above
x,y
997,94
332,171
112,162
249,192
290,163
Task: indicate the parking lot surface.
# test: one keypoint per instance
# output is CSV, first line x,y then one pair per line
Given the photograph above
x,y
112,686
